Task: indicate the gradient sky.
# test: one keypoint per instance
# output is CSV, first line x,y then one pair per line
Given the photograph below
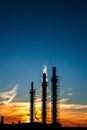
x,y
38,32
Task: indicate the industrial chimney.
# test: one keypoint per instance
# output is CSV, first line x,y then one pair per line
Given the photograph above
x,y
54,95
44,92
32,95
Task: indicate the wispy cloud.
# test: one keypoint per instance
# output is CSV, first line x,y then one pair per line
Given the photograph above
x,y
64,100
8,96
74,113
66,90
62,92
73,106
69,94
69,89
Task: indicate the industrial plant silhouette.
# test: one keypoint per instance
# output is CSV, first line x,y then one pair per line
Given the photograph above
x,y
55,107
44,98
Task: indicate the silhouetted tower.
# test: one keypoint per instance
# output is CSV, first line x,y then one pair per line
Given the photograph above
x,y
2,119
32,95
54,95
44,92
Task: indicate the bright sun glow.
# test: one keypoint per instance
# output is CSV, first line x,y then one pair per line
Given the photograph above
x,y
13,112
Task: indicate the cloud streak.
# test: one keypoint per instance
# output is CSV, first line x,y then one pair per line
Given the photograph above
x,y
69,94
8,96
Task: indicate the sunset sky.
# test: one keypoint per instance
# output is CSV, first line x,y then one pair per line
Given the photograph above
x,y
34,33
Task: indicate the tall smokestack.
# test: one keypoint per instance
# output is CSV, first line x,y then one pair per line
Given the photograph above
x,y
54,95
44,92
32,95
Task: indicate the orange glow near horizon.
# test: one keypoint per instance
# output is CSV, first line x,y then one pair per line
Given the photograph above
x,y
70,114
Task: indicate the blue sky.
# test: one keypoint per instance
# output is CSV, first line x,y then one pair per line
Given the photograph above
x,y
51,32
